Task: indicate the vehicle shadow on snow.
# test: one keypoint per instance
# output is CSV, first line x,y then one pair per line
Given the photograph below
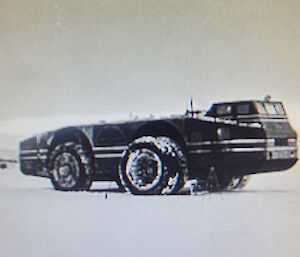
x,y
203,193
107,190
264,191
249,191
187,192
94,190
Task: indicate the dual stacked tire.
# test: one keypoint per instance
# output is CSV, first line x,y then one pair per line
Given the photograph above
x,y
153,165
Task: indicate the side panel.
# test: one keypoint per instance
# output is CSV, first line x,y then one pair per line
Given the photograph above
x,y
105,141
111,140
32,157
239,149
109,143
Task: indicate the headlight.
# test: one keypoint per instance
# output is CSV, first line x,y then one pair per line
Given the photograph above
x,y
223,133
271,142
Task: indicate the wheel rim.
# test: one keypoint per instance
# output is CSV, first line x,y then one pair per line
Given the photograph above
x,y
144,169
66,170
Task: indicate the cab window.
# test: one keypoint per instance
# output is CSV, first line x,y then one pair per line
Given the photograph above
x,y
224,109
243,109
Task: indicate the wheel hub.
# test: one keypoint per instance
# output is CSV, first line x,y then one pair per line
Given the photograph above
x,y
66,170
144,169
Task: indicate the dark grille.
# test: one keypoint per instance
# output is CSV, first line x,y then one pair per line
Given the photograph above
x,y
281,141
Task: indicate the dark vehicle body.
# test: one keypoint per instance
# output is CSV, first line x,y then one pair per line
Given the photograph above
x,y
234,139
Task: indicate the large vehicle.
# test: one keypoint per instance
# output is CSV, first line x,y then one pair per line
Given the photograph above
x,y
219,148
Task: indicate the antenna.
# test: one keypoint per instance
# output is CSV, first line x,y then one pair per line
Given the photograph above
x,y
192,106
191,111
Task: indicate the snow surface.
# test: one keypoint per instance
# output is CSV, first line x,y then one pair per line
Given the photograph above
x,y
261,220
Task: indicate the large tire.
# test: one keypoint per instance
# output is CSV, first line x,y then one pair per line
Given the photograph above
x,y
179,171
70,167
153,166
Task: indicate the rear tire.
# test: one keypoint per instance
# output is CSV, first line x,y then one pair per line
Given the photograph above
x,y
70,167
153,166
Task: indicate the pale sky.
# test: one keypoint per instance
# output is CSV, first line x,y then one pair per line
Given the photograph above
x,y
110,58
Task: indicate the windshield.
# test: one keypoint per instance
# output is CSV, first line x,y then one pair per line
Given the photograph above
x,y
270,108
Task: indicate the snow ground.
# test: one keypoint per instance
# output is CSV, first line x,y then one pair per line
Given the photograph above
x,y
261,220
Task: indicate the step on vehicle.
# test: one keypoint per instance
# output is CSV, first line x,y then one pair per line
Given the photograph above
x,y
219,148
